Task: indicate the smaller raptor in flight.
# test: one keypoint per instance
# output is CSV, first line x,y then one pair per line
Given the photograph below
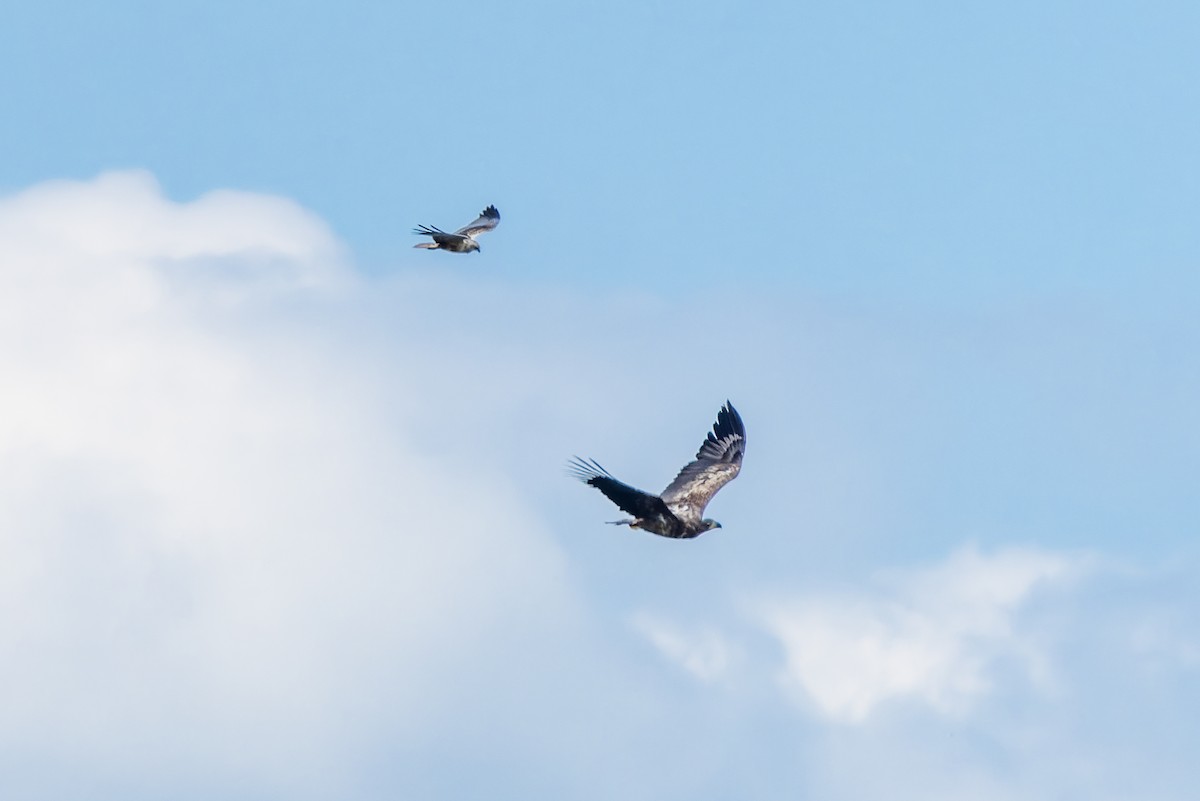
x,y
679,511
462,240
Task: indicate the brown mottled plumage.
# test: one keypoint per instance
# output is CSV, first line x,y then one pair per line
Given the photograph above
x,y
679,511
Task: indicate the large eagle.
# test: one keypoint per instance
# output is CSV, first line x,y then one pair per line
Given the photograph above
x,y
679,511
462,240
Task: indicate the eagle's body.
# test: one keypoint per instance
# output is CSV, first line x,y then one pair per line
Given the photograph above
x,y
462,240
679,512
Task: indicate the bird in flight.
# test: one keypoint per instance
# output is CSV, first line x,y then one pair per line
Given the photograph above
x,y
462,240
679,511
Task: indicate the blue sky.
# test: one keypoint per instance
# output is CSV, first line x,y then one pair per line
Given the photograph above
x,y
925,148
282,499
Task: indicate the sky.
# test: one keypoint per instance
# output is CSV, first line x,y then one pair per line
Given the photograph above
x,y
283,502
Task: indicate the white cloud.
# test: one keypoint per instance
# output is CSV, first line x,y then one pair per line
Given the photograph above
x,y
933,635
212,516
272,528
703,652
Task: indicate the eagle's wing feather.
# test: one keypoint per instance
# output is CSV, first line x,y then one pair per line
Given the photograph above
x,y
631,500
718,462
439,236
488,219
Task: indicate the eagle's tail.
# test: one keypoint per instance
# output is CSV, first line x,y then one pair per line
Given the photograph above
x,y
427,245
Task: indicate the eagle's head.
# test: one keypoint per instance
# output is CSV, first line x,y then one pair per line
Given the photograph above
x,y
708,524
472,245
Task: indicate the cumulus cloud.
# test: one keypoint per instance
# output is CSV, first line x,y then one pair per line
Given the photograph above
x,y
933,635
212,517
272,528
704,652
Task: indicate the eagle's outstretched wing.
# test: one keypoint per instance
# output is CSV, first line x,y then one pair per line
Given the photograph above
x,y
488,219
439,236
630,500
717,463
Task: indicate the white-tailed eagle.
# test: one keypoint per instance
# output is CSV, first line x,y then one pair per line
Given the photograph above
x,y
462,240
679,511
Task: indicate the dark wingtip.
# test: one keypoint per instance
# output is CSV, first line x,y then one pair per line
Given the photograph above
x,y
578,468
585,469
491,213
728,424
731,418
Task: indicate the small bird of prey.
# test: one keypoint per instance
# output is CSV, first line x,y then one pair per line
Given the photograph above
x,y
462,240
678,512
